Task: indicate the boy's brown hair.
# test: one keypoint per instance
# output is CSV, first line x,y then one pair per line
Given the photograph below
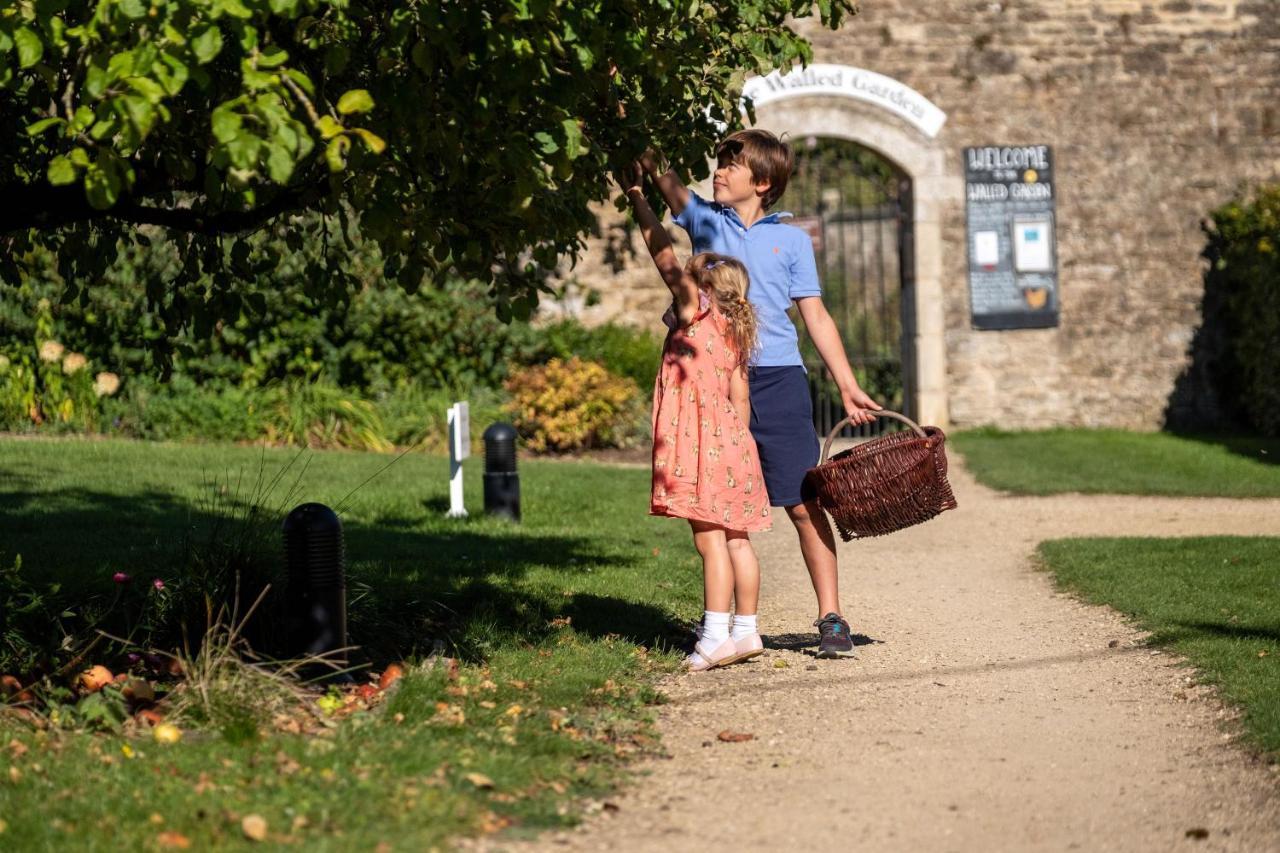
x,y
768,157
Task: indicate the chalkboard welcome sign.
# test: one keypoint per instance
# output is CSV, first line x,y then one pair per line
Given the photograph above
x,y
1013,264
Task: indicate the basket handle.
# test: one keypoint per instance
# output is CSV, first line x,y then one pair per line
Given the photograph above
x,y
881,413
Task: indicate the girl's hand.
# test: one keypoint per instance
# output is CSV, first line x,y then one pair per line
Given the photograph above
x,y
630,177
651,162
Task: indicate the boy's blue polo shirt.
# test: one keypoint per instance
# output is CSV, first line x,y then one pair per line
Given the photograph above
x,y
779,259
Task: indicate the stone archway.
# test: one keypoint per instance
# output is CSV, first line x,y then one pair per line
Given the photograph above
x,y
891,130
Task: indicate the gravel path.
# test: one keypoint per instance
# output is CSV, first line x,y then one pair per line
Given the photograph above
x,y
985,710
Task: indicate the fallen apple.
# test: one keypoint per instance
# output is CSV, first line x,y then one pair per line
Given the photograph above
x,y
167,733
9,685
390,676
139,691
367,692
149,716
95,678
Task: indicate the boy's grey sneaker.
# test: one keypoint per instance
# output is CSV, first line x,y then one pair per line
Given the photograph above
x,y
835,640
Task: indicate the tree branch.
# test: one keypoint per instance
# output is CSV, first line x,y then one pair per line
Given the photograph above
x,y
45,207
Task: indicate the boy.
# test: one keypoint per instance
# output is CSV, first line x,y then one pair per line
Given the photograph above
x,y
752,170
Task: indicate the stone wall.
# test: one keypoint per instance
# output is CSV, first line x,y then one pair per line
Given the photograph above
x,y
1156,113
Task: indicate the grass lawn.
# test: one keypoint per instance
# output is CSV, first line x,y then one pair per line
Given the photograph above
x,y
1215,600
560,622
1118,462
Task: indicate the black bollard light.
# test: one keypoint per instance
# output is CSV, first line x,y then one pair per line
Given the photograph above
x,y
501,482
317,595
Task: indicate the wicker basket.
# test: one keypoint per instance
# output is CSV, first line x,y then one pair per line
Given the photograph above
x,y
885,484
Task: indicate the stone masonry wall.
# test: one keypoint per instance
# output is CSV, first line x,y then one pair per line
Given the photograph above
x,y
1157,113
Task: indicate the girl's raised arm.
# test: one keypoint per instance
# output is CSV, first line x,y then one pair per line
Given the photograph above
x,y
684,289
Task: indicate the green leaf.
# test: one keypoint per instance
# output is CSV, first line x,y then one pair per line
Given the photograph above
x,y
232,8
329,127
373,141
272,57
141,113
61,171
226,124
79,156
279,164
546,143
147,88
303,81
82,119
172,73
573,138
355,101
336,153
207,45
101,186
95,81
133,8
243,150
30,48
39,127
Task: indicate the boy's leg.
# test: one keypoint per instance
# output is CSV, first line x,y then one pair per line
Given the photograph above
x,y
782,427
788,445
818,546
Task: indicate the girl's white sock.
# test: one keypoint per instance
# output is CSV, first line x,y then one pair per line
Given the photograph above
x,y
715,628
743,626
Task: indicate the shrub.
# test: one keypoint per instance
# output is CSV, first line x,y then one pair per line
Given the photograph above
x,y
44,382
624,350
571,405
1244,250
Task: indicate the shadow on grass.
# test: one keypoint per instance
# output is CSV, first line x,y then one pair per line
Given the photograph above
x,y
1200,630
408,587
1257,448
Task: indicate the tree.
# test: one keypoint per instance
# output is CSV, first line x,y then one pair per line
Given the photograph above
x,y
464,137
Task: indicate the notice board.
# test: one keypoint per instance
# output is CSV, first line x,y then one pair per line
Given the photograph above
x,y
1013,255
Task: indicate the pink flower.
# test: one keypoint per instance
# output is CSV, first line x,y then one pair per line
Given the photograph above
x,y
157,583
121,577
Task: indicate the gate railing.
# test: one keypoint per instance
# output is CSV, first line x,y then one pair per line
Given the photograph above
x,y
828,408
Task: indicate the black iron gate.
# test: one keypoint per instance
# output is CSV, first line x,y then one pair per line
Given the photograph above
x,y
856,207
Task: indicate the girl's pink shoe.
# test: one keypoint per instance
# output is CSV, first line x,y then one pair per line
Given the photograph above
x,y
747,648
707,658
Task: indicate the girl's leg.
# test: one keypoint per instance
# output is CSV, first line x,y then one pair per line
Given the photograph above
x,y
717,588
746,573
717,569
746,595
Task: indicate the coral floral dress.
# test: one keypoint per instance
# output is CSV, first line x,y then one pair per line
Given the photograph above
x,y
705,465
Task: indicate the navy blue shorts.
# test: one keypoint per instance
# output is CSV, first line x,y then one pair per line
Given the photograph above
x,y
782,425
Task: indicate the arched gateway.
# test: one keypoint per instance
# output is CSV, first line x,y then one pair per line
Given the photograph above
x,y
870,185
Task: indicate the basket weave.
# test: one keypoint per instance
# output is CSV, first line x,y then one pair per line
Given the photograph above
x,y
885,484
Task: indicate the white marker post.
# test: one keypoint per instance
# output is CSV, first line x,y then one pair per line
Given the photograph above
x,y
459,449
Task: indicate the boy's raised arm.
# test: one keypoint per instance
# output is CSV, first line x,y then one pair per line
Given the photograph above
x,y
682,286
673,190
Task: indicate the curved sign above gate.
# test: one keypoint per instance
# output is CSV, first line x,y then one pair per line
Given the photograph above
x,y
848,82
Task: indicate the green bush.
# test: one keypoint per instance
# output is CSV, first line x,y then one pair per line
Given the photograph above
x,y
622,350
1244,251
376,370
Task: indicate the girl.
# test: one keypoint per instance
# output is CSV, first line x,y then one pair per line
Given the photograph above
x,y
705,467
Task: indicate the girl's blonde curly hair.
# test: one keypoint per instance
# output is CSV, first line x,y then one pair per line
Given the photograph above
x,y
726,281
